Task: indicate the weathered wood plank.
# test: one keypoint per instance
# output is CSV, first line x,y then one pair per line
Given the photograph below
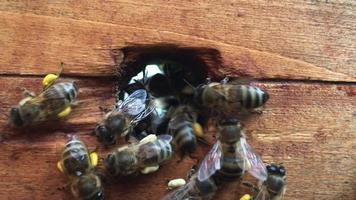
x,y
308,126
28,48
320,32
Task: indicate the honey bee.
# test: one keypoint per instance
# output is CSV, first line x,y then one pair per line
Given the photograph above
x,y
229,97
119,121
195,189
231,156
142,157
79,166
274,187
160,119
53,103
182,126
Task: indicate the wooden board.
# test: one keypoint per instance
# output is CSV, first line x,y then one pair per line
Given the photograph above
x,y
307,125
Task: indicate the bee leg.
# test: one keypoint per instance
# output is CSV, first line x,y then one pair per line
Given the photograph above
x,y
225,80
75,103
191,172
203,141
104,110
194,157
250,185
258,111
64,187
28,93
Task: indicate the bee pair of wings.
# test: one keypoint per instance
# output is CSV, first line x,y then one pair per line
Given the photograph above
x,y
252,161
262,194
136,105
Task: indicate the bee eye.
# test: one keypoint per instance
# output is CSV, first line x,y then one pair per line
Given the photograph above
x,y
282,170
272,168
99,196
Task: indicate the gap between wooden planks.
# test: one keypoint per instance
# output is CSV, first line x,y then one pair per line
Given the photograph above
x,y
307,126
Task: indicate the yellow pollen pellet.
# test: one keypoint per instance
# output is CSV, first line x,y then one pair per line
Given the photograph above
x,y
49,79
65,112
246,197
198,129
94,159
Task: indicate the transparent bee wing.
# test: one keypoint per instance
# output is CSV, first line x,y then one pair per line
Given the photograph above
x,y
135,103
254,165
165,137
211,163
140,116
262,194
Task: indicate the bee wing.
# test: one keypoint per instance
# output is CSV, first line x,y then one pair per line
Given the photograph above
x,y
255,165
262,194
51,105
147,111
211,163
165,137
135,103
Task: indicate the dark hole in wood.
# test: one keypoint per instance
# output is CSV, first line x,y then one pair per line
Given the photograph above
x,y
180,63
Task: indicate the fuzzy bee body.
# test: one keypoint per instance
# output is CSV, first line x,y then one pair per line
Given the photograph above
x,y
75,158
46,106
232,166
231,156
230,97
275,186
87,187
195,189
121,120
79,165
131,159
181,127
156,152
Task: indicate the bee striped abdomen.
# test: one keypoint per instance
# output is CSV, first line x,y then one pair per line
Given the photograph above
x,y
70,91
165,150
252,97
185,138
231,166
75,158
156,152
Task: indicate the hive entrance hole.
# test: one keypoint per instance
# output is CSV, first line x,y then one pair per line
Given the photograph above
x,y
163,69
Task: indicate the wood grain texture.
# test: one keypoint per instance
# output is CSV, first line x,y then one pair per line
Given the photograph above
x,y
288,40
308,125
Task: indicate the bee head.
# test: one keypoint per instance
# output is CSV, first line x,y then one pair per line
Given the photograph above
x,y
15,117
159,85
24,114
88,187
104,134
274,169
230,122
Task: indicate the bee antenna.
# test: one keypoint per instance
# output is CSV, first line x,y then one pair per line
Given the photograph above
x,y
188,84
71,136
61,70
250,185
